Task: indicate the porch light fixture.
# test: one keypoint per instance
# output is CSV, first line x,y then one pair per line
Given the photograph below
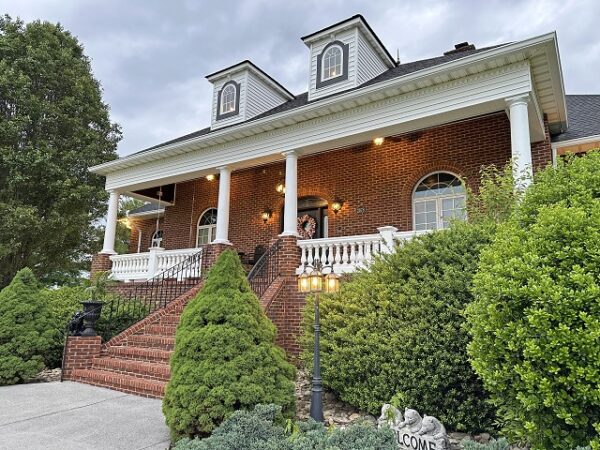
x,y
314,281
266,215
280,188
336,206
378,140
211,177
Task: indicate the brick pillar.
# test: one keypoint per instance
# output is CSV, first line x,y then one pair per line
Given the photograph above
x,y
79,352
100,263
210,253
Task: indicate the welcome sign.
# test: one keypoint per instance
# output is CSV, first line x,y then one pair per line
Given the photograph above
x,y
414,432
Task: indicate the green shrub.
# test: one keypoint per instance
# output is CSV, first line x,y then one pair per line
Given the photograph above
x,y
225,357
535,323
396,331
500,444
26,330
62,303
255,430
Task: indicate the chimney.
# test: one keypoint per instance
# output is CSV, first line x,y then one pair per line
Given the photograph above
x,y
462,47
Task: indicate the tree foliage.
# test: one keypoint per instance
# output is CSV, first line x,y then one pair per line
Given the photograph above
x,y
225,358
396,331
26,331
53,126
535,323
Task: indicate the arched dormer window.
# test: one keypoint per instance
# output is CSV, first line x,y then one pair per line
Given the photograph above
x,y
438,198
332,64
207,227
228,100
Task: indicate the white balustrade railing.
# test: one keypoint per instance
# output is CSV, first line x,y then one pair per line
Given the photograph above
x,y
143,266
348,253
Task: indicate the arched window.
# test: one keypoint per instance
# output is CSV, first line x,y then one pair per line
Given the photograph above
x,y
332,63
207,227
157,238
228,99
438,198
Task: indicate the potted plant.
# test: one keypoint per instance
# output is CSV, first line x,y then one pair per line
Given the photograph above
x,y
92,308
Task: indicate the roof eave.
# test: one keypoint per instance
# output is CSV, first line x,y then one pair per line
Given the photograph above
x,y
104,169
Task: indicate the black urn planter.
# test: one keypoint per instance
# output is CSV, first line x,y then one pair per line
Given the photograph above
x,y
91,313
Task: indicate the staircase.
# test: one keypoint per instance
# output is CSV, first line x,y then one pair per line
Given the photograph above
x,y
136,361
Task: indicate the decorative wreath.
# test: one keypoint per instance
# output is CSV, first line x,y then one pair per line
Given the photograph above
x,y
306,226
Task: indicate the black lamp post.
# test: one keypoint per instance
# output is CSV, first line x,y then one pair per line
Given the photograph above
x,y
314,281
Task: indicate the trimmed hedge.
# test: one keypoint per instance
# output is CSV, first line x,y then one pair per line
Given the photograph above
x,y
396,331
26,329
535,323
256,430
225,357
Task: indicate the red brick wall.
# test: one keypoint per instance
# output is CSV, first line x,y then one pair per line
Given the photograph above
x,y
147,226
375,182
79,353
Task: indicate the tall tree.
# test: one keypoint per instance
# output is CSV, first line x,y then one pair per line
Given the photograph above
x,y
53,126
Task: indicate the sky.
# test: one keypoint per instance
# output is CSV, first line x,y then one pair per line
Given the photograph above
x,y
151,56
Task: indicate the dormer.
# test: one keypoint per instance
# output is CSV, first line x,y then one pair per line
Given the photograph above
x,y
344,56
243,91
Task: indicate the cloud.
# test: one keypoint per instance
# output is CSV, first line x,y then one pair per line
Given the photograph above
x,y
151,56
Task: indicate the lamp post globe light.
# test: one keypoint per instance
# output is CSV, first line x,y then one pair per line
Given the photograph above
x,y
314,281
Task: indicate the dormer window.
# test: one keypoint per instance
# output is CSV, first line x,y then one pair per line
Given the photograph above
x,y
229,100
332,64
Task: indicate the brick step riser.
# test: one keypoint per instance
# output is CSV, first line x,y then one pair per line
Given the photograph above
x,y
151,341
159,330
159,372
126,353
118,387
169,320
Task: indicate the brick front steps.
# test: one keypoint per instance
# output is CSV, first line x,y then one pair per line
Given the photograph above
x,y
135,361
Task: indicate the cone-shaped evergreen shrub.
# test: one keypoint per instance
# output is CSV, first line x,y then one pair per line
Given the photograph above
x,y
26,329
225,357
396,331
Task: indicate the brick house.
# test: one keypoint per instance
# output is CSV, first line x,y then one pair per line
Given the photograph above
x,y
374,152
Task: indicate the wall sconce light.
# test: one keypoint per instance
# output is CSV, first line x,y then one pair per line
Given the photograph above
x,y
378,140
336,206
211,177
266,215
280,188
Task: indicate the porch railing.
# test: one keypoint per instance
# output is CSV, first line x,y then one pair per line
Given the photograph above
x,y
133,303
143,266
348,253
266,270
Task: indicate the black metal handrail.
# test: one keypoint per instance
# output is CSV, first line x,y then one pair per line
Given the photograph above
x,y
266,270
151,295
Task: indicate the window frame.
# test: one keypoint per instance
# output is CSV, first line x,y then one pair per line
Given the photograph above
x,y
345,48
224,115
439,223
158,240
211,227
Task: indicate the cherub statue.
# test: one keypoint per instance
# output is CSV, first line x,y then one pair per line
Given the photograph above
x,y
432,427
412,420
390,416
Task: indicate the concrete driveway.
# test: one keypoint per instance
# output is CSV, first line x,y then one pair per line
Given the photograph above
x,y
74,416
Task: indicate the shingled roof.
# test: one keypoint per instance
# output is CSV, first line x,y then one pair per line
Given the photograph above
x,y
584,117
302,99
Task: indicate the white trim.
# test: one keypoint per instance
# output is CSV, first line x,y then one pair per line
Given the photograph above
x,y
470,64
578,141
154,213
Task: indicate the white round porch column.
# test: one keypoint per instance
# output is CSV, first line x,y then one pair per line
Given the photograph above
x,y
520,140
290,211
222,235
108,248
